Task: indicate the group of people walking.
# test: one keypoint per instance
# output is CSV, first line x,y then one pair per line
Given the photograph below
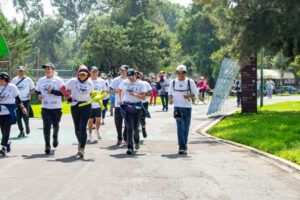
x,y
128,93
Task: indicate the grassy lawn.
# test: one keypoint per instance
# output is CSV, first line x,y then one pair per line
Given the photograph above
x,y
274,129
66,108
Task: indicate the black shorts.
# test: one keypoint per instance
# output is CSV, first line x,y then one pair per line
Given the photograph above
x,y
96,112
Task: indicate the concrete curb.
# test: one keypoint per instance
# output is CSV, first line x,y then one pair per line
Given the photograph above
x,y
204,130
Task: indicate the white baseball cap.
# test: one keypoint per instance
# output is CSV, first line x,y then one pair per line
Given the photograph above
x,y
181,68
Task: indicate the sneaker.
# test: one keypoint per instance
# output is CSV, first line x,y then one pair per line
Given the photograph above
x,y
119,142
21,134
55,142
3,151
81,153
102,122
89,137
27,130
137,146
163,109
144,132
181,150
94,127
99,136
8,146
129,151
47,151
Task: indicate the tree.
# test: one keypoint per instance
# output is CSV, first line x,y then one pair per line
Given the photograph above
x,y
32,10
144,52
18,41
172,13
198,37
282,63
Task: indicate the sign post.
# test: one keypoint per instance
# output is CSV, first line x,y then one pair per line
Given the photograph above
x,y
249,87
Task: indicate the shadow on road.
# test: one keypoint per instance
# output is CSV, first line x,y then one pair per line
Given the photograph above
x,y
34,156
93,142
7,156
70,159
175,156
124,155
210,142
17,138
114,147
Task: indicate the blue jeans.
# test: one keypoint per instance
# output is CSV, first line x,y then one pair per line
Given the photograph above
x,y
165,100
183,125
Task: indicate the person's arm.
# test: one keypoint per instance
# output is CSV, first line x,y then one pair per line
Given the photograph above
x,y
19,102
149,93
121,96
141,96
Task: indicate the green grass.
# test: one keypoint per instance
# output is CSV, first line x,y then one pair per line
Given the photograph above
x,y
66,109
274,129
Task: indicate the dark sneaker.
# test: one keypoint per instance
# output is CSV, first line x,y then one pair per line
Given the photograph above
x,y
144,132
119,142
126,142
137,146
181,150
3,151
47,151
21,134
27,130
163,109
55,142
8,146
129,151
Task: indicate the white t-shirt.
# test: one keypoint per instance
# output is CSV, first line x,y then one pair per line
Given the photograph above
x,y
100,86
106,89
137,87
24,87
148,88
167,82
181,88
50,101
116,86
80,91
8,96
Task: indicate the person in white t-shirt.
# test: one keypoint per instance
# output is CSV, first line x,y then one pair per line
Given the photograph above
x,y
132,92
26,87
81,88
106,98
111,96
9,96
47,91
181,91
140,76
99,85
114,89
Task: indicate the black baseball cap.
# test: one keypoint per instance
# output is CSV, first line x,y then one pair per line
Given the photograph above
x,y
5,76
48,65
124,67
131,73
94,68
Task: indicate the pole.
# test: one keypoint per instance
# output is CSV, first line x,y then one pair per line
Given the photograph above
x,y
38,64
261,77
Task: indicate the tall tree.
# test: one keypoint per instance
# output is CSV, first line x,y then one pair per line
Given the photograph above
x,y
32,10
171,13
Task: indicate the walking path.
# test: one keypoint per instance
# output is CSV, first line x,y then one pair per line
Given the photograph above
x,y
211,170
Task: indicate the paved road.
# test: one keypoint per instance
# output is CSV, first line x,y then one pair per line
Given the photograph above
x,y
211,170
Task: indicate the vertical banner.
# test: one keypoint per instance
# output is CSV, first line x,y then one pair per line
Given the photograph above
x,y
225,81
249,88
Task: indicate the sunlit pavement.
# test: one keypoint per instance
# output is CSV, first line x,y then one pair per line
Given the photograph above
x,y
211,170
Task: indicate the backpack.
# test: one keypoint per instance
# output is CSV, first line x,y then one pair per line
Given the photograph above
x,y
189,87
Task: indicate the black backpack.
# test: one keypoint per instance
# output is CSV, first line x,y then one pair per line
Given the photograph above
x,y
189,87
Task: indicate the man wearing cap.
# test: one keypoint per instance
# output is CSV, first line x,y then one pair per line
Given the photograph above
x,y
181,90
47,91
26,87
132,92
114,89
99,85
106,98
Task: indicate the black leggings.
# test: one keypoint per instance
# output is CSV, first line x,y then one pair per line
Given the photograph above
x,y
80,117
5,124
132,122
118,123
105,102
50,116
143,117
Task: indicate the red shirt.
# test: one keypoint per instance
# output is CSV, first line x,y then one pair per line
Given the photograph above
x,y
202,85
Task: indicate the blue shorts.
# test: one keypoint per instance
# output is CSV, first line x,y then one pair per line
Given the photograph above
x,y
96,112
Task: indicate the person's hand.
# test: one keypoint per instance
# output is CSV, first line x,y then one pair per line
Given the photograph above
x,y
40,97
29,96
186,96
171,101
49,90
121,102
0,99
24,110
132,94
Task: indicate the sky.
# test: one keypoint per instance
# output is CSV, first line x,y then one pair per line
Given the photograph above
x,y
10,13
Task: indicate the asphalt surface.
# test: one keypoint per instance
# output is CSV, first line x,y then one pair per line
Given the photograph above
x,y
211,170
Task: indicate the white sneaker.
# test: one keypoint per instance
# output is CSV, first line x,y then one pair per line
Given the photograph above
x,y
99,135
89,138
